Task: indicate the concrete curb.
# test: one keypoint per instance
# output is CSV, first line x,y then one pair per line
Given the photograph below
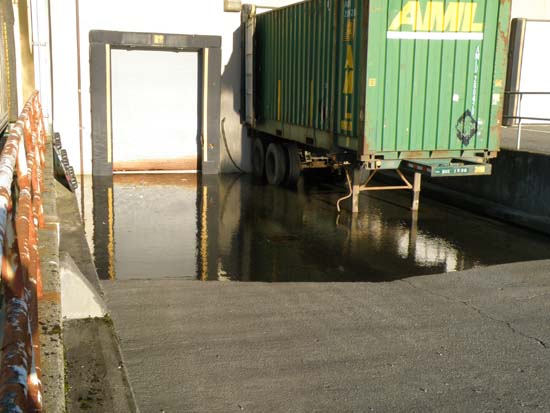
x,y
488,208
132,401
49,306
79,298
96,375
96,372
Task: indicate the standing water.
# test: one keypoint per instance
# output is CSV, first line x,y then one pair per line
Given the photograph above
x,y
234,227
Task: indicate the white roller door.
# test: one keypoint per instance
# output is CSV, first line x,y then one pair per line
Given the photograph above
x,y
154,110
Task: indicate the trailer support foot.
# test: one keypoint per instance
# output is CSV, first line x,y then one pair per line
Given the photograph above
x,y
356,190
356,187
416,191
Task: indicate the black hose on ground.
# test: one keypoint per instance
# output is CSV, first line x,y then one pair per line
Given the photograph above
x,y
227,148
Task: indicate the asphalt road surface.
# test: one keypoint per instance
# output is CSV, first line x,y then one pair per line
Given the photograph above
x,y
476,340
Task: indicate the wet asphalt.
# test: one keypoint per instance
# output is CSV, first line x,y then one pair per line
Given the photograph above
x,y
447,312
473,341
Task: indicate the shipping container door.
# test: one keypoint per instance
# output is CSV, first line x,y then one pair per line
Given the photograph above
x,y
435,74
154,110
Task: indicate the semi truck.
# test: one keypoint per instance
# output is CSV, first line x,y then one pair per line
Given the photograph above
x,y
369,85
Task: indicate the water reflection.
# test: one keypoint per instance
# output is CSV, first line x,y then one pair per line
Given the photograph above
x,y
235,228
149,226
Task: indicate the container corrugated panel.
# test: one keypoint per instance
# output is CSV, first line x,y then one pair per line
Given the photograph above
x,y
389,79
4,88
295,55
9,110
436,74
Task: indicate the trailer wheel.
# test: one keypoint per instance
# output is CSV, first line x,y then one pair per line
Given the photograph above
x,y
258,158
294,170
275,164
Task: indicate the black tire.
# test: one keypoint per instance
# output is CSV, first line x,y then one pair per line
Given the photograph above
x,y
275,164
258,158
293,168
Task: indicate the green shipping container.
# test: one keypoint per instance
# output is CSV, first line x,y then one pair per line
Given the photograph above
x,y
381,80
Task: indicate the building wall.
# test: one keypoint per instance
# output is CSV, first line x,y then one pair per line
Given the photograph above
x,y
24,51
205,17
531,9
535,65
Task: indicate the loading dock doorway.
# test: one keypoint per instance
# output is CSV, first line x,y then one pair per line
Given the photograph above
x,y
208,50
155,110
103,46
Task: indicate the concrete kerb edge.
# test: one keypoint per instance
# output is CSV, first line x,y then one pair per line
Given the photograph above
x,y
117,350
52,352
126,375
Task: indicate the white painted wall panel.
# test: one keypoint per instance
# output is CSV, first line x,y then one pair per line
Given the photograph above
x,y
148,86
531,9
205,17
534,71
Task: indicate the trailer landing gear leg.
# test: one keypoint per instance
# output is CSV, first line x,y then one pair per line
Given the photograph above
x,y
356,190
416,191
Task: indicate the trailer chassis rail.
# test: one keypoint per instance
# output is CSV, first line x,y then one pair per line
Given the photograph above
x,y
434,168
355,188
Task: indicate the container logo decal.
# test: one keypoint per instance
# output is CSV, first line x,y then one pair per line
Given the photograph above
x,y
346,123
466,127
434,21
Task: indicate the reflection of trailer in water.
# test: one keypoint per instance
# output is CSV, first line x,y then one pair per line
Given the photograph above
x,y
374,85
251,232
8,84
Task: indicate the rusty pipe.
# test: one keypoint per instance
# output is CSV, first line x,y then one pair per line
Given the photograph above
x,y
21,214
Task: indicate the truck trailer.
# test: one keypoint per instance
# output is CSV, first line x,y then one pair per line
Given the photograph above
x,y
370,85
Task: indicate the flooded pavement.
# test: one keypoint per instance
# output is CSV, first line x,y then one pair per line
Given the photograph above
x,y
154,225
236,228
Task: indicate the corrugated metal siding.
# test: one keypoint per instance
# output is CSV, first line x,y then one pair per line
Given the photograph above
x,y
350,71
390,95
420,88
295,60
4,89
9,59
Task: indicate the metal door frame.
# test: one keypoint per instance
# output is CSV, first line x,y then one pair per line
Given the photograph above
x,y
209,52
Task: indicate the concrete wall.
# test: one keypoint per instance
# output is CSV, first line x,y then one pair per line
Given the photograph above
x,y
205,17
518,191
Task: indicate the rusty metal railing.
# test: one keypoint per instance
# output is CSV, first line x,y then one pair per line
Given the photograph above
x,y
21,214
